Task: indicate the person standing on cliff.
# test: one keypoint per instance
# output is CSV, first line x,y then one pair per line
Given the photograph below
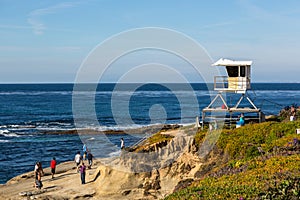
x,y
38,175
77,159
84,149
293,113
82,169
122,144
38,166
90,159
53,166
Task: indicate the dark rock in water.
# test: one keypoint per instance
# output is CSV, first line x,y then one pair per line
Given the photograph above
x,y
142,130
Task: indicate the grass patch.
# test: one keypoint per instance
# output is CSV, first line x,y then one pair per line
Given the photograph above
x,y
258,182
269,173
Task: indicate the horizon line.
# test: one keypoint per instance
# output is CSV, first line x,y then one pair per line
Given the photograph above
x,y
8,83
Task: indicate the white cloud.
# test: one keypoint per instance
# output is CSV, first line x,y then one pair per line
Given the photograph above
x,y
34,17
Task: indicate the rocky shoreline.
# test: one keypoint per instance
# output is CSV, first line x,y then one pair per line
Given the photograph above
x,y
115,178
142,130
165,167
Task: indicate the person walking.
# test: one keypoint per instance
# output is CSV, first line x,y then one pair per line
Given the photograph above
x,y
82,169
77,159
84,149
90,159
53,166
122,143
38,175
36,167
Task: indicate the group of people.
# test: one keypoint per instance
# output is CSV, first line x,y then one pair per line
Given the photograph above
x,y
39,172
79,160
87,155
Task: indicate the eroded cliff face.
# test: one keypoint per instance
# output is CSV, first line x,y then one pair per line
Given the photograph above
x,y
152,174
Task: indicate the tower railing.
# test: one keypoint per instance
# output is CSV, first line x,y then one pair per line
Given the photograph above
x,y
225,83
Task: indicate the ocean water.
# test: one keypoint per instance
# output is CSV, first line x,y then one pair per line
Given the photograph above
x,y
31,113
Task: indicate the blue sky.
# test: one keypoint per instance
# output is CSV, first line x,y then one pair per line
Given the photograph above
x,y
46,41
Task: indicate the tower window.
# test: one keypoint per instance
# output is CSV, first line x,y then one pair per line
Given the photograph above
x,y
243,71
233,71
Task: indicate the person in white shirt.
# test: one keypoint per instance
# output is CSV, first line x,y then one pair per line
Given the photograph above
x,y
77,159
122,143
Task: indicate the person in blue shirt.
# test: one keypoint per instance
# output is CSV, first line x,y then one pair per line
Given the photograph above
x,y
241,121
84,149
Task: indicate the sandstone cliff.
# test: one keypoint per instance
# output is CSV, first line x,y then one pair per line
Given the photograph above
x,y
152,174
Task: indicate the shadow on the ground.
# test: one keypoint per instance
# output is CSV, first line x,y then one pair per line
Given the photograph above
x,y
97,175
61,176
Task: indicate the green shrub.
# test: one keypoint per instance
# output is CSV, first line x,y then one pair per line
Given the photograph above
x,y
287,188
271,176
238,141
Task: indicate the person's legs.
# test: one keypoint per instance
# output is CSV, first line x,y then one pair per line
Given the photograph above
x,y
52,172
82,178
39,184
77,168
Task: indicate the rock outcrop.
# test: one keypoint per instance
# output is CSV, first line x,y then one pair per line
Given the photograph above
x,y
151,174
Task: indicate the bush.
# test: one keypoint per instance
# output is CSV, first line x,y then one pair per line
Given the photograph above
x,y
246,174
287,188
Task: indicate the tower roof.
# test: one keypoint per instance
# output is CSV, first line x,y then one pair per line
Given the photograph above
x,y
227,62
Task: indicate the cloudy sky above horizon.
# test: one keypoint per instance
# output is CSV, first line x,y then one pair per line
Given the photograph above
x,y
47,41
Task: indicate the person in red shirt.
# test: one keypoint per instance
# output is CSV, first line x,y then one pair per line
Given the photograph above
x,y
53,166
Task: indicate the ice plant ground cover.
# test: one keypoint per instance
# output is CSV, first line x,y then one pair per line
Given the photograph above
x,y
257,161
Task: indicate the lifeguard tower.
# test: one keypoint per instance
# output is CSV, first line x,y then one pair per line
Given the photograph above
x,y
237,82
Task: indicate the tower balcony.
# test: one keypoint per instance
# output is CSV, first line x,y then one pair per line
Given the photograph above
x,y
231,84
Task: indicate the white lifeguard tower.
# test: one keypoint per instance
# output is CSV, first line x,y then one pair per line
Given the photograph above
x,y
237,81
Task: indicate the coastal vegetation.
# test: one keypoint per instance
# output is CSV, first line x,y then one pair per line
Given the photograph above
x,y
257,161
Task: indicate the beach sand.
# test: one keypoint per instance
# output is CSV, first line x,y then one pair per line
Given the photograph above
x,y
66,183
